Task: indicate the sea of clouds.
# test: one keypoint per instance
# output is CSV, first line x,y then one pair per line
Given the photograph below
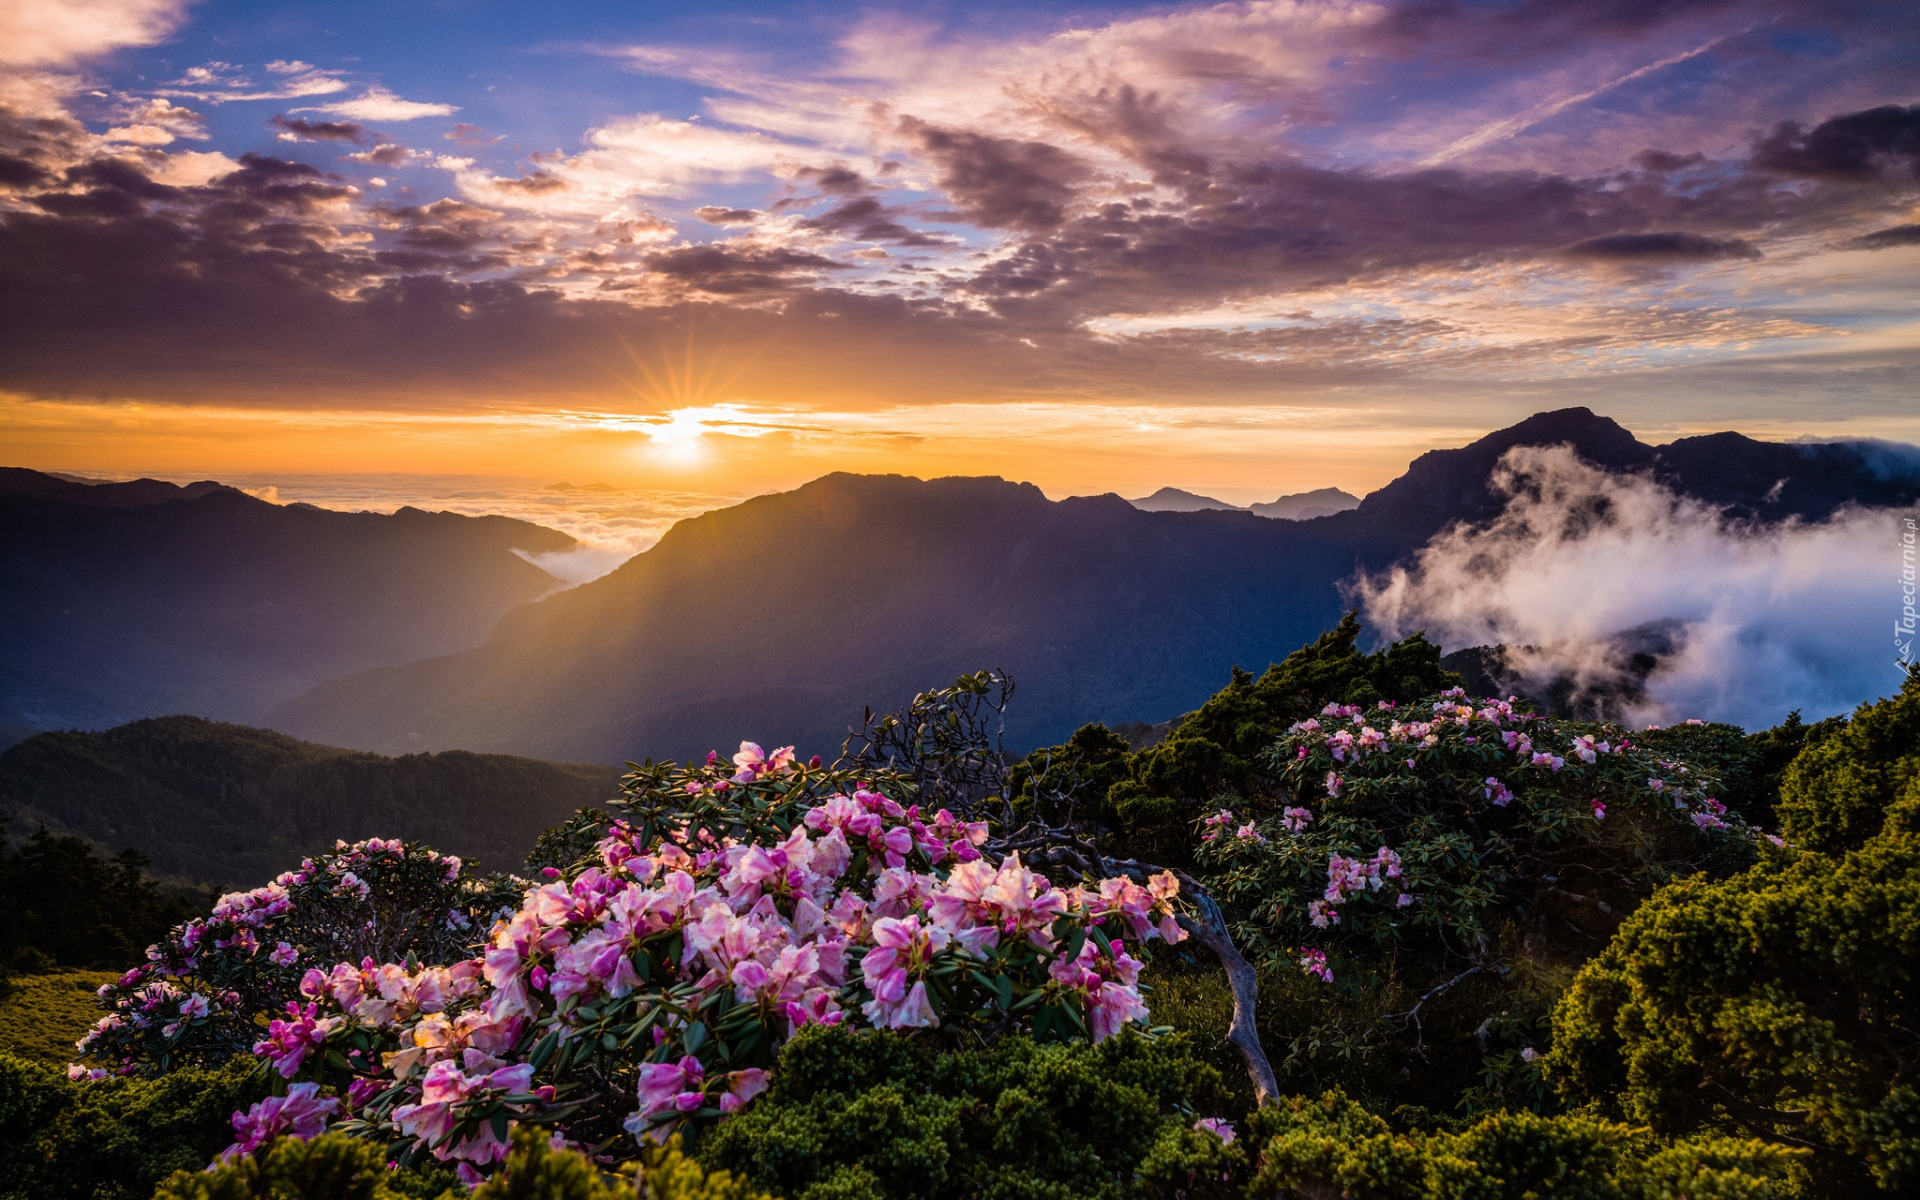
x,y
1761,619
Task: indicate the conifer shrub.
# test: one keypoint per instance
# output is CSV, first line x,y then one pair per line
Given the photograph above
x,y
1859,779
1328,1146
873,1116
113,1139
335,1167
1777,1004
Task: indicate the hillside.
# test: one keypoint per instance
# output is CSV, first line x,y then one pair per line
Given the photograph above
x,y
781,617
229,805
138,599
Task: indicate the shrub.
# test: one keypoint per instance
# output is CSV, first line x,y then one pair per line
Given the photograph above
x,y
873,1115
1434,873
1330,1146
1149,801
1777,1004
333,1167
649,986
43,1015
204,991
111,1139
1858,780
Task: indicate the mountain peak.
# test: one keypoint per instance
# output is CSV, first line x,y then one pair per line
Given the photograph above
x,y
1173,499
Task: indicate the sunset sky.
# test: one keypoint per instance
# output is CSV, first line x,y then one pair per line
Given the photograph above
x,y
712,249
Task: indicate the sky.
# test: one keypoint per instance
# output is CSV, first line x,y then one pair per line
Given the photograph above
x,y
707,251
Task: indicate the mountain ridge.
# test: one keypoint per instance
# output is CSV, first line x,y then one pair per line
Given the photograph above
x,y
222,804
125,600
870,588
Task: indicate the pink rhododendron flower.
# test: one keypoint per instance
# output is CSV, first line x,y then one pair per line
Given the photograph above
x,y
1314,962
1217,1127
301,1113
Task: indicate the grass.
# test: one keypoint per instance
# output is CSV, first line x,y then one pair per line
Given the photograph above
x,y
43,1015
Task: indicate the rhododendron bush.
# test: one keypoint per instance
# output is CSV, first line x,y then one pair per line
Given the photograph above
x,y
1405,851
202,993
650,983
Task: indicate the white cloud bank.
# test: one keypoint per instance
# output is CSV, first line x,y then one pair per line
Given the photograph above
x,y
1764,619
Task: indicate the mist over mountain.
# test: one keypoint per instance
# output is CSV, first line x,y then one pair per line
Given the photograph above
x,y
228,805
779,618
126,600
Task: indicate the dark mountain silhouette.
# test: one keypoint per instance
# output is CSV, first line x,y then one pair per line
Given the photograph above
x,y
125,600
1304,506
1301,506
779,618
1172,499
227,805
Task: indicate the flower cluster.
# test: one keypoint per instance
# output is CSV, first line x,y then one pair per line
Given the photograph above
x,y
204,992
651,983
1476,798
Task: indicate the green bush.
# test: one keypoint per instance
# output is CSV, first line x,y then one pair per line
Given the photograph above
x,y
1422,880
335,1167
870,1115
1851,783
113,1139
1330,1146
1779,1003
1147,802
42,1016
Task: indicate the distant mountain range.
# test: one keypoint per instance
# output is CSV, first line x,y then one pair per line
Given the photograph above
x,y
124,600
1301,506
226,805
779,618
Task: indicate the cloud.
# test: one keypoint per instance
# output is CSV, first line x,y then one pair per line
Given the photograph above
x,y
1660,248
866,219
299,129
1749,621
1857,147
719,214
999,182
472,135
582,564
387,154
1883,239
379,104
58,33
225,83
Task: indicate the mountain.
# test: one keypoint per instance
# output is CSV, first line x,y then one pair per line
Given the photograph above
x,y
227,805
779,618
124,600
1301,506
1172,499
1304,506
